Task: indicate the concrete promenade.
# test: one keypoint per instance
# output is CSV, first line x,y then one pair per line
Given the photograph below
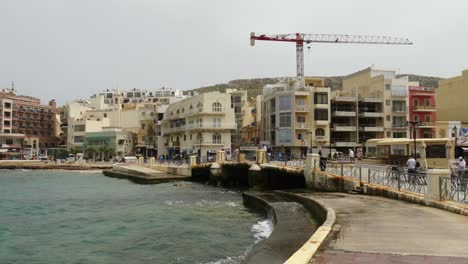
x,y
141,174
380,230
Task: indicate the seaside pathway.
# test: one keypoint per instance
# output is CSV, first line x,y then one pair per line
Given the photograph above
x,y
381,230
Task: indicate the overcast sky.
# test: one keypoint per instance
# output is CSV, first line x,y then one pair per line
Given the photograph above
x,y
69,49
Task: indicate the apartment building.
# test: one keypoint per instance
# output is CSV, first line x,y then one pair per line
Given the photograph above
x,y
26,115
113,140
422,108
163,95
373,103
239,104
200,124
11,146
451,99
296,116
251,122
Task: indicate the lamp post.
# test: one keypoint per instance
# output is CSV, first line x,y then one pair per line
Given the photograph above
x,y
414,123
455,134
199,150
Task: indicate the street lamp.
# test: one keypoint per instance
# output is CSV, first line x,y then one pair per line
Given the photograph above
x,y
455,134
199,150
414,123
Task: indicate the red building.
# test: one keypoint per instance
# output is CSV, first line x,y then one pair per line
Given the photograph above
x,y
422,108
21,114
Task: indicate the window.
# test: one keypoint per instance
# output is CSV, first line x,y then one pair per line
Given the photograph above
x,y
319,132
177,112
301,103
183,109
399,106
442,133
78,139
399,134
285,136
321,98
387,86
185,137
416,118
387,118
321,114
389,134
285,102
427,118
300,119
216,122
142,126
427,102
299,136
190,136
105,114
237,109
387,102
399,90
399,121
285,119
415,102
79,128
200,122
216,138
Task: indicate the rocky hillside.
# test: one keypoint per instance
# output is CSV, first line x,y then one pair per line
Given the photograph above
x,y
255,86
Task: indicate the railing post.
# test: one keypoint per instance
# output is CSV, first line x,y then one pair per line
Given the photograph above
x,y
399,180
433,179
368,175
341,169
360,174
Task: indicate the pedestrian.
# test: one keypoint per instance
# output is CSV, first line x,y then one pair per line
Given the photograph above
x,y
323,161
351,155
461,164
411,163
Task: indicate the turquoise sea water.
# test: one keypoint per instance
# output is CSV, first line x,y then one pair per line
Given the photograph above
x,y
82,217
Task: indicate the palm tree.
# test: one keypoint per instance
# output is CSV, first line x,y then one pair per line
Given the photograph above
x,y
91,153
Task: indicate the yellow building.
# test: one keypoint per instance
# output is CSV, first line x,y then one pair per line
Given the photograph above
x,y
451,99
373,103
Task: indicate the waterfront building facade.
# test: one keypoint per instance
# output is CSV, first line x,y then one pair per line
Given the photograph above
x,y
26,115
11,146
251,122
201,124
451,99
422,108
373,103
163,96
110,142
296,115
239,104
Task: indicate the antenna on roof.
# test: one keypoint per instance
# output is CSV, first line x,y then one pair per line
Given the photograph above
x,y
12,85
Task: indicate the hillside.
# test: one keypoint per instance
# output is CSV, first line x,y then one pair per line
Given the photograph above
x,y
254,86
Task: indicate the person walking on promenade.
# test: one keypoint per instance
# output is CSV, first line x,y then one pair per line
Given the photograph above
x,y
323,161
411,163
461,164
351,155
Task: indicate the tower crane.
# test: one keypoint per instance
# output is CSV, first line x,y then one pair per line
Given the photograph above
x,y
300,39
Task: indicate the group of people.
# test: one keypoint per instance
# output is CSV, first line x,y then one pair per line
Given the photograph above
x,y
460,165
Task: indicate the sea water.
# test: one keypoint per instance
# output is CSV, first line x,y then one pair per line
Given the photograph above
x,y
82,217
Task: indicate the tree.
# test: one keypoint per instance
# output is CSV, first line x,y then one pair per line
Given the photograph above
x,y
91,153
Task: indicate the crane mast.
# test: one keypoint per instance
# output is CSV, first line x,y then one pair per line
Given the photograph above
x,y
301,38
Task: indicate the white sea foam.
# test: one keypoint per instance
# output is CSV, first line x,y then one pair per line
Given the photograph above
x,y
262,229
227,260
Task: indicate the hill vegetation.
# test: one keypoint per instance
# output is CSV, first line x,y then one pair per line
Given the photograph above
x,y
254,87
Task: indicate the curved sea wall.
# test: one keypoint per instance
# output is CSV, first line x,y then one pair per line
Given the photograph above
x,y
300,227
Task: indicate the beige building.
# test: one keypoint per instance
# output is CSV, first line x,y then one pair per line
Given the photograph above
x,y
199,124
251,122
451,100
296,116
373,103
239,104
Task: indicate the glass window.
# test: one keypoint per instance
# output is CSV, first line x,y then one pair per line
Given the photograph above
x,y
399,106
285,136
427,118
321,98
285,102
320,132
300,119
216,122
427,102
285,119
399,121
217,138
416,118
216,107
399,90
321,114
387,118
415,102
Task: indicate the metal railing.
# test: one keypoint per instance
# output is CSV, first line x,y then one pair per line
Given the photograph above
x,y
296,161
454,188
389,176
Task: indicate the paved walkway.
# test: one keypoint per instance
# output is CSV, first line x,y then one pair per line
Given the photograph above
x,y
381,230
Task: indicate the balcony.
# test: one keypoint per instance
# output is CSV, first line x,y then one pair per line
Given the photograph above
x,y
301,108
321,122
344,112
424,108
344,99
320,138
371,100
370,128
343,127
426,125
302,126
371,114
343,142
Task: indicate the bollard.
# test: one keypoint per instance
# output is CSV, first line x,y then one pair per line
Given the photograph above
x,y
261,156
193,160
434,187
